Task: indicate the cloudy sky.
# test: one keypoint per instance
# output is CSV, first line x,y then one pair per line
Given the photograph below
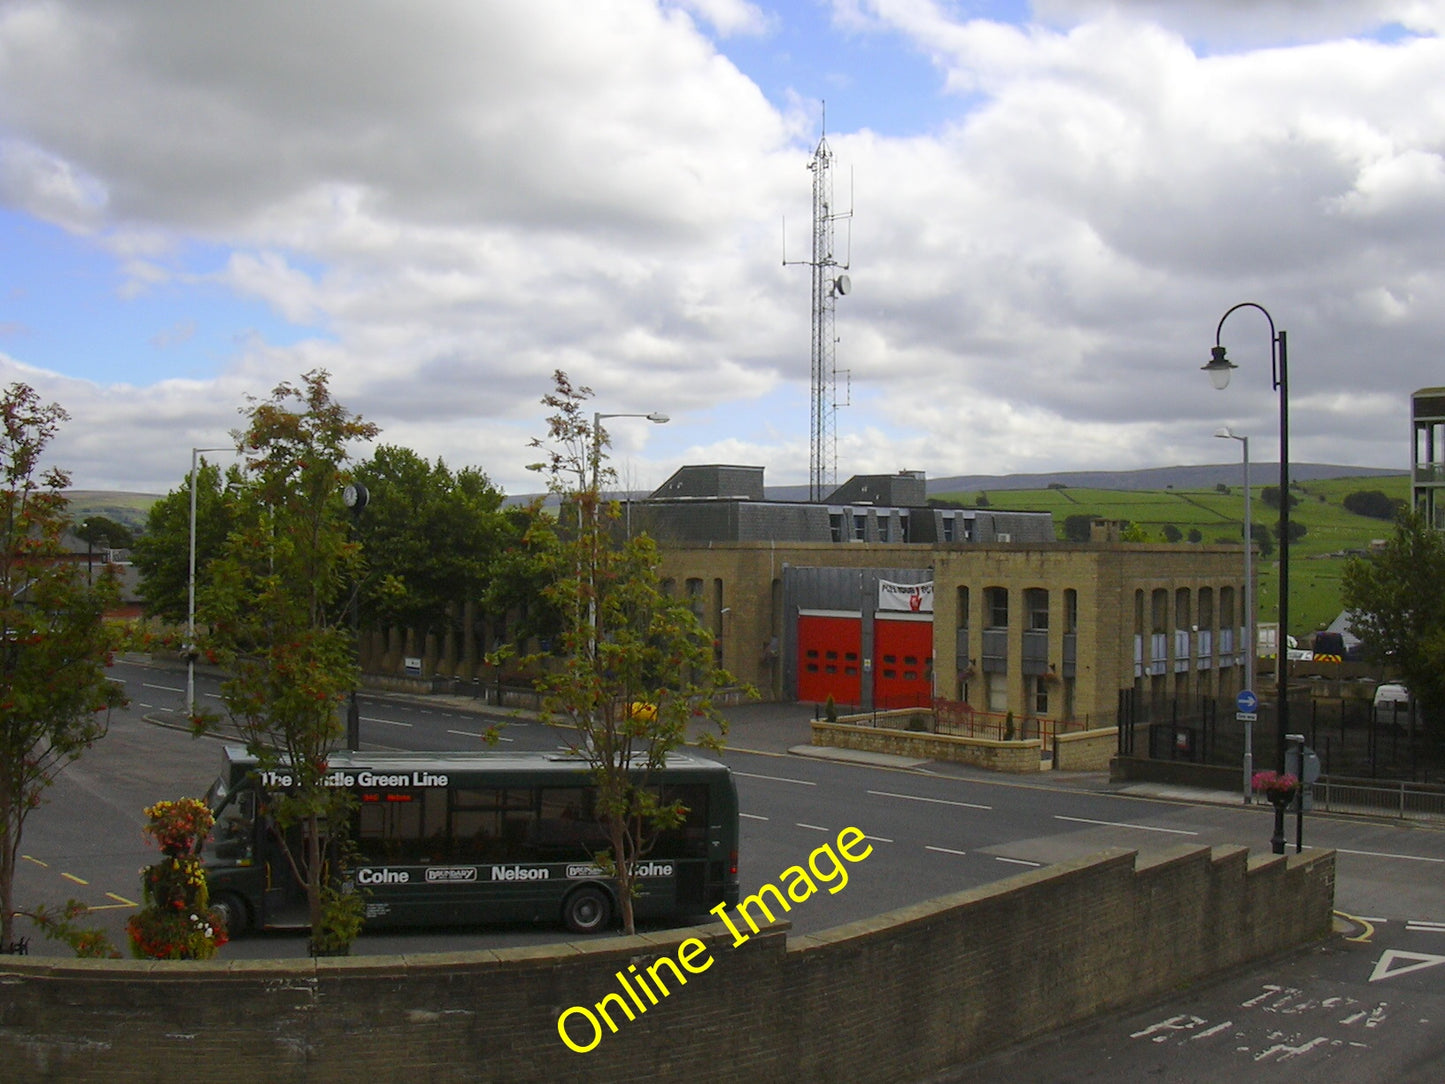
x,y
442,201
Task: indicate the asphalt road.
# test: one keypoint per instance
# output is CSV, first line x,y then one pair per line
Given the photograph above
x,y
1363,1009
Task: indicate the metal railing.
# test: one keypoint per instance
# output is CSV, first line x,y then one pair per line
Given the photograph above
x,y
1405,800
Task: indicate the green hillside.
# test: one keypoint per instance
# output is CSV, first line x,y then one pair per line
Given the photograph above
x,y
1317,560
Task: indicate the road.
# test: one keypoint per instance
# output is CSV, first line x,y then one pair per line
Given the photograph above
x,y
1373,1002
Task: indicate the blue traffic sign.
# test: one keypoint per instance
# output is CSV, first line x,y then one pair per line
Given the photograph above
x,y
1246,701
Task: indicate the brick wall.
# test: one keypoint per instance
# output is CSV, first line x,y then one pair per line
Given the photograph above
x,y
895,997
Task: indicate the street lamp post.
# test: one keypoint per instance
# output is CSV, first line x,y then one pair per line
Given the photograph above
x,y
1219,369
190,648
1249,637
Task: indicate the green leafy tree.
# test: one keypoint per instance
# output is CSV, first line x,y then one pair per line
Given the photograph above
x,y
105,532
54,643
632,665
162,552
278,603
1398,605
1373,503
1172,533
432,538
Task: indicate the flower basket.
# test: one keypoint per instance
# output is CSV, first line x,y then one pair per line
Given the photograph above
x,y
1278,788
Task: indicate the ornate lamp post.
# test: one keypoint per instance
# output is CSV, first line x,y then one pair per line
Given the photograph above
x,y
1219,369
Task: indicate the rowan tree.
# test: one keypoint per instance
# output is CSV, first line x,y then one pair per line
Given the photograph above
x,y
631,666
277,604
54,643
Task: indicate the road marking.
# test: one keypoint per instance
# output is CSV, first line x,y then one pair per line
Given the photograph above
x,y
1387,854
43,865
1420,926
73,877
1123,824
752,816
812,827
162,688
1017,861
777,779
1385,966
943,850
122,899
388,722
878,839
1367,925
920,798
471,734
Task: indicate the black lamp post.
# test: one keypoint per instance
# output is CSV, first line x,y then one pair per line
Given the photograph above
x,y
356,499
1219,368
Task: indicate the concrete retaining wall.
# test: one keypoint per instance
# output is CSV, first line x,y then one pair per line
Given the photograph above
x,y
1086,750
896,997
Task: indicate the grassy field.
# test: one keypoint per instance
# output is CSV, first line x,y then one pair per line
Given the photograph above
x,y
1317,560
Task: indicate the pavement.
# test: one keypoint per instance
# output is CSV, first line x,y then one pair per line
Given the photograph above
x,y
784,729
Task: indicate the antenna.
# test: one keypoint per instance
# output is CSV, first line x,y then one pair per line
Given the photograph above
x,y
828,286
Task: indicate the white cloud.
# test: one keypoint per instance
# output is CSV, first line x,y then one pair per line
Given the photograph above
x,y
443,203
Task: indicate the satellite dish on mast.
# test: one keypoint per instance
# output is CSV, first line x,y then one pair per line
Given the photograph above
x,y
842,284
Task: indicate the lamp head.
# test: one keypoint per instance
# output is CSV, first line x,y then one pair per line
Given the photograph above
x,y
1219,368
658,419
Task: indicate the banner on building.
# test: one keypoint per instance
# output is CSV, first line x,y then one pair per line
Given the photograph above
x,y
913,597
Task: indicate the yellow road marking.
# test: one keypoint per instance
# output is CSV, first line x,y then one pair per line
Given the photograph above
x,y
73,877
35,860
1362,923
122,900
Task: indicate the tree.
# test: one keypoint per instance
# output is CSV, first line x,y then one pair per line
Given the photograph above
x,y
1260,534
1399,613
632,665
432,538
104,531
162,552
1373,503
1172,533
278,604
54,647
1270,496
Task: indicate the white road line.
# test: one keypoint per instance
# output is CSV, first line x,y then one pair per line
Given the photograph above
x,y
162,688
777,779
944,850
1123,824
472,734
1416,925
388,722
1017,861
1387,854
920,798
752,816
878,839
812,827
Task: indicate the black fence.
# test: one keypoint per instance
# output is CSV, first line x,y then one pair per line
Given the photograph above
x,y
1347,734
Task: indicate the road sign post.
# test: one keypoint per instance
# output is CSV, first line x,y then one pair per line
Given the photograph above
x,y
1246,709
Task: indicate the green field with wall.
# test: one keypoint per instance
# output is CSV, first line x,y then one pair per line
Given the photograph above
x,y
1317,560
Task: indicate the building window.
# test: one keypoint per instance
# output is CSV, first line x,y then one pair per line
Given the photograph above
x,y
835,525
860,527
997,602
1041,695
1036,602
997,692
948,522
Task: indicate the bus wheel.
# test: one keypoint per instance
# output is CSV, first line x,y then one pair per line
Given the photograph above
x,y
232,910
587,910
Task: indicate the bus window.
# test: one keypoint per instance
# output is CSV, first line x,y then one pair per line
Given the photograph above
x,y
234,833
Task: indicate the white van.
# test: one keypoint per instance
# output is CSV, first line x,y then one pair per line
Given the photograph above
x,y
1392,704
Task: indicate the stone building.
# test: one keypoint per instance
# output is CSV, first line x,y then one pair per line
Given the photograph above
x,y
890,604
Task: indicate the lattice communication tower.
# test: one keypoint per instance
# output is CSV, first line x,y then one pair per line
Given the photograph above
x,y
828,285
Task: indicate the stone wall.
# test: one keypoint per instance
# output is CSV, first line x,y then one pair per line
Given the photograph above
x,y
896,997
1086,750
1016,757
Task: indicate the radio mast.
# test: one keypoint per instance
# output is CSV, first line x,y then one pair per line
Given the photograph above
x,y
828,286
